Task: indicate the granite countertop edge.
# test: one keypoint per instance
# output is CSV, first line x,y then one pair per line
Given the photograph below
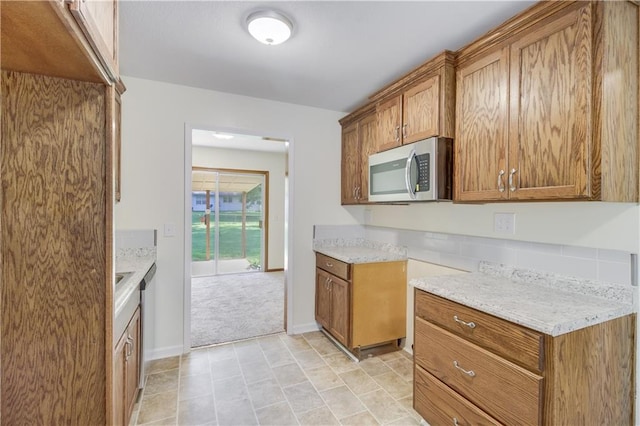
x,y
137,261
359,250
530,304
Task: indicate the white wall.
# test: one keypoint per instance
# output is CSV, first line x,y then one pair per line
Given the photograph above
x,y
154,115
275,164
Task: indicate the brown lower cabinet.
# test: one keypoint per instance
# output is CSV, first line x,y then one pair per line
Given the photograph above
x,y
363,305
497,372
126,371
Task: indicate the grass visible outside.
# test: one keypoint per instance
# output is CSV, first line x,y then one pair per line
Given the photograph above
x,y
230,237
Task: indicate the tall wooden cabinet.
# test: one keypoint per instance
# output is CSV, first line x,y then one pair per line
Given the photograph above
x,y
359,140
536,99
56,297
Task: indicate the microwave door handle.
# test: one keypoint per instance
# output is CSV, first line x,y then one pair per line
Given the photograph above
x,y
407,175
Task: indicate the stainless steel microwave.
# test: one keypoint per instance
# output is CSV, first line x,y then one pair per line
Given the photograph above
x,y
420,171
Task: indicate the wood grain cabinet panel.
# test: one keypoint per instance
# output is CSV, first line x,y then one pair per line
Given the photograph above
x,y
535,106
420,110
389,117
586,376
359,140
362,305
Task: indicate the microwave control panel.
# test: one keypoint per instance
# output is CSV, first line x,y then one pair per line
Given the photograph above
x,y
422,182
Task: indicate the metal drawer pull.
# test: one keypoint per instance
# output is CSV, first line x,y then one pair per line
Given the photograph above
x,y
500,182
455,421
468,324
469,373
512,187
329,265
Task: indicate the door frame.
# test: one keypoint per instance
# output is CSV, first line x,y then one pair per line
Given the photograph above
x,y
264,255
288,223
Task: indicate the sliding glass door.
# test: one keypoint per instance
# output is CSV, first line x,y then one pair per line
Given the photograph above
x,y
227,217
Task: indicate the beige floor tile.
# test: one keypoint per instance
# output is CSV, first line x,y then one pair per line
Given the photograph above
x,y
361,419
220,352
314,335
276,415
257,371
374,366
159,406
169,421
289,374
405,421
225,368
303,397
195,386
278,357
309,359
265,393
295,343
161,382
246,352
390,355
407,404
340,363
197,411
324,346
271,342
194,365
230,389
395,385
238,412
158,365
383,407
358,381
403,366
342,402
318,417
324,378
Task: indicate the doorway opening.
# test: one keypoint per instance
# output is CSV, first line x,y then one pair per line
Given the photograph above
x,y
236,205
229,215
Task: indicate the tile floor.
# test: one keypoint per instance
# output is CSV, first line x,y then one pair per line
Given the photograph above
x,y
277,380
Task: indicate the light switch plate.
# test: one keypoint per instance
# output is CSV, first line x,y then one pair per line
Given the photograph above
x,y
504,223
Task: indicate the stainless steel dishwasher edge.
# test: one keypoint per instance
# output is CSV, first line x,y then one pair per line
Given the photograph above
x,y
146,284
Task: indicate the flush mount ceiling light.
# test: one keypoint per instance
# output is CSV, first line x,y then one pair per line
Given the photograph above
x,y
269,27
222,135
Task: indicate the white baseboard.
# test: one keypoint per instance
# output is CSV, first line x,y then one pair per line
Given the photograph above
x,y
303,328
165,352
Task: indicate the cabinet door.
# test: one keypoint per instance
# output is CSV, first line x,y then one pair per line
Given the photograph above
x,y
132,361
99,22
340,310
323,298
119,380
420,111
389,116
368,138
551,87
350,164
480,160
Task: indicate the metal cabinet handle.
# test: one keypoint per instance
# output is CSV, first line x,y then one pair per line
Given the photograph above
x,y
469,373
455,421
511,185
500,181
397,133
468,324
404,131
329,264
357,193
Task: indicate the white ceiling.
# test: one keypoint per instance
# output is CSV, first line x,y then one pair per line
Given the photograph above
x,y
340,51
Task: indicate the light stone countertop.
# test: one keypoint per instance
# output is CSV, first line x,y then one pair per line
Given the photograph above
x,y
360,250
137,261
548,303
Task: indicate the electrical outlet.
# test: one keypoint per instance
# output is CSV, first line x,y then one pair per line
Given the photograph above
x,y
504,223
169,230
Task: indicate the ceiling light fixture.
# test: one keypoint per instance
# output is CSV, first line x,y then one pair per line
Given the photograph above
x,y
269,27
222,136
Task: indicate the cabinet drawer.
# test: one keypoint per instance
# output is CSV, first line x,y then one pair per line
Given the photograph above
x,y
504,390
509,340
439,405
334,266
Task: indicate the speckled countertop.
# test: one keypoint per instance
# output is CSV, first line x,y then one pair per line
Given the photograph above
x,y
360,250
136,261
549,303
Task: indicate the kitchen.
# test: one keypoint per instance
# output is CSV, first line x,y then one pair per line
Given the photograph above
x,y
149,120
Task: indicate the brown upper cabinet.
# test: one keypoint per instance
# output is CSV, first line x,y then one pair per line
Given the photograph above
x,y
547,106
418,106
359,139
81,40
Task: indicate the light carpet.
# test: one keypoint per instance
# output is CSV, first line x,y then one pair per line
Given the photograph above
x,y
225,308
